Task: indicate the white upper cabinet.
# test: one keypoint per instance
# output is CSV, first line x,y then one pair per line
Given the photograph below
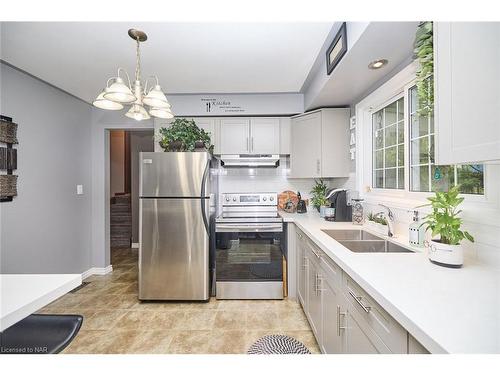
x,y
467,94
285,135
235,136
265,135
320,144
243,135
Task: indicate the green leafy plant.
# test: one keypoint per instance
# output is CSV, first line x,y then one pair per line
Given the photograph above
x,y
377,219
444,220
182,135
319,194
424,53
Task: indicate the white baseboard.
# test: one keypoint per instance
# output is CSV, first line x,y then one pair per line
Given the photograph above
x,y
97,271
135,245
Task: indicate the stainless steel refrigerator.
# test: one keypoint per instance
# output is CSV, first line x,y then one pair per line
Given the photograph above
x,y
175,224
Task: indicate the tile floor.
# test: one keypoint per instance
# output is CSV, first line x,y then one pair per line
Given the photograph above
x,y
115,321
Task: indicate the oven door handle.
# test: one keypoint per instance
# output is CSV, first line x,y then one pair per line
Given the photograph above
x,y
254,227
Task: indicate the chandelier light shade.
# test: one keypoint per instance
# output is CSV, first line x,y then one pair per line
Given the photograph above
x,y
103,103
161,113
119,92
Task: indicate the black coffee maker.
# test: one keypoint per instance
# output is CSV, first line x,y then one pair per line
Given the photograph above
x,y
338,200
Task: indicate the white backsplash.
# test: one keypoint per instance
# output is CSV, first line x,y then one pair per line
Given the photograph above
x,y
242,180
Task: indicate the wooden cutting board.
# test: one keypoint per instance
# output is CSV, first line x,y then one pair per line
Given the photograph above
x,y
287,201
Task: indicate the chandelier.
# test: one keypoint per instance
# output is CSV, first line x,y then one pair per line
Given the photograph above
x,y
117,93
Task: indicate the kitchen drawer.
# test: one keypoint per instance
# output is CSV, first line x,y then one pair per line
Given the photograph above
x,y
391,332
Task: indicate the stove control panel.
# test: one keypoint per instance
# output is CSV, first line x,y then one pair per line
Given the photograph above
x,y
250,199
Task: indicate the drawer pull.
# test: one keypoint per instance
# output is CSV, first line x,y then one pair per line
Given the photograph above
x,y
315,253
339,327
358,300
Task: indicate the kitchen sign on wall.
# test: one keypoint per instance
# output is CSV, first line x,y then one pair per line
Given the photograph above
x,y
221,106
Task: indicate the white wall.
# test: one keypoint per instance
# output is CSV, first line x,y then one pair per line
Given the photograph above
x,y
46,228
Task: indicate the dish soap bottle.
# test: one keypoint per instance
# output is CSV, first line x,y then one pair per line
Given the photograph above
x,y
416,233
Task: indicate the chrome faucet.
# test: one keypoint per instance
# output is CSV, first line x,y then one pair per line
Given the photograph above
x,y
389,217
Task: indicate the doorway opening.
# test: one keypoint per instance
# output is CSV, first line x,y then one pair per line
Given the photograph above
x,y
124,149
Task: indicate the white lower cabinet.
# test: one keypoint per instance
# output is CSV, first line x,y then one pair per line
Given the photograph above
x,y
343,317
314,308
301,269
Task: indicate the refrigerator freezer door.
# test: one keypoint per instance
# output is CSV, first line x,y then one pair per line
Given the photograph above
x,y
174,174
174,250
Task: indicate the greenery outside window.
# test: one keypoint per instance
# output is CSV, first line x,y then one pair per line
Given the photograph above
x,y
388,146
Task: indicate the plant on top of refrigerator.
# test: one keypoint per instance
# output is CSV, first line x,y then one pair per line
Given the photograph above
x,y
184,135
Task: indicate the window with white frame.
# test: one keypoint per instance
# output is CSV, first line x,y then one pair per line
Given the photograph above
x,y
388,146
392,137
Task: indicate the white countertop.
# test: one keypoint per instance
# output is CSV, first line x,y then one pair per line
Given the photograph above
x,y
22,295
447,310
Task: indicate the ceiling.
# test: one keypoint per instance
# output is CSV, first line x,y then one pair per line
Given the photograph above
x,y
78,57
351,79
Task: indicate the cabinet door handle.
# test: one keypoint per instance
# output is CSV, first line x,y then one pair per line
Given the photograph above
x,y
248,144
358,300
304,263
252,144
319,284
317,166
315,253
339,327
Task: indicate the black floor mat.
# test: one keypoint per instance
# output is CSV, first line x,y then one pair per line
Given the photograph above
x,y
40,334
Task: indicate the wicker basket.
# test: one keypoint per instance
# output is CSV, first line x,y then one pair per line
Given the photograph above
x,y
8,185
8,132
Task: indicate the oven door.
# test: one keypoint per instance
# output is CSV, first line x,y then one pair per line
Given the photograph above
x,y
249,260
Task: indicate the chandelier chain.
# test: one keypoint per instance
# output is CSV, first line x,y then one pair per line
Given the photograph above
x,y
138,63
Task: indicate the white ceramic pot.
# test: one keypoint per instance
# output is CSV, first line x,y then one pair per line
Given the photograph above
x,y
446,255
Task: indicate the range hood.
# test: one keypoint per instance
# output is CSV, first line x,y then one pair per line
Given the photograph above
x,y
250,161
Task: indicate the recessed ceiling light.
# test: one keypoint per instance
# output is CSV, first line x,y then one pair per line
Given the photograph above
x,y
377,64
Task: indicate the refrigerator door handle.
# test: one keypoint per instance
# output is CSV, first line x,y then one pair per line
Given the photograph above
x,y
202,200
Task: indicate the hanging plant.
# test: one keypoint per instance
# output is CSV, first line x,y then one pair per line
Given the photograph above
x,y
424,53
184,135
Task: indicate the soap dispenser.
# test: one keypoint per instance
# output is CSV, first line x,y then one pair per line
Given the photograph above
x,y
416,235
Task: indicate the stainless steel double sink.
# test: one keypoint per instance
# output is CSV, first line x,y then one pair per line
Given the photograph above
x,y
361,241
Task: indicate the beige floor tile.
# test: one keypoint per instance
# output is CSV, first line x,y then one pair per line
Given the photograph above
x,y
152,342
230,320
103,319
227,342
293,319
232,305
198,320
87,342
123,301
262,320
134,319
307,338
167,320
190,342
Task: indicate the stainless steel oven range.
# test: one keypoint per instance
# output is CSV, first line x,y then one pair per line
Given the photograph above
x,y
249,253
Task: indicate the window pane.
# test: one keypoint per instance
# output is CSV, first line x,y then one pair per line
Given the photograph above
x,y
401,132
390,135
442,177
379,159
390,114
470,178
377,120
419,125
379,139
390,157
390,178
401,178
401,111
420,178
378,178
420,151
401,155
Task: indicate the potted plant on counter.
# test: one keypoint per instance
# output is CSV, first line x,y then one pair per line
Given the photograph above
x,y
318,199
377,224
184,135
444,221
